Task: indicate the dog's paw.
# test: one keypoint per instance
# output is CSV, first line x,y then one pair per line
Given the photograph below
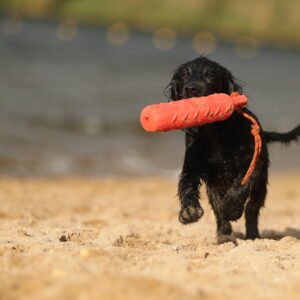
x,y
222,239
252,235
190,214
232,212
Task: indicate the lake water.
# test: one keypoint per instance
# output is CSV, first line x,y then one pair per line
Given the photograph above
x,y
73,107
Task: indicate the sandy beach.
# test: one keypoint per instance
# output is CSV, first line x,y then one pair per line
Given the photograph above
x,y
119,238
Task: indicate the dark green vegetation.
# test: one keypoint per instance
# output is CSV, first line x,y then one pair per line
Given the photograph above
x,y
271,21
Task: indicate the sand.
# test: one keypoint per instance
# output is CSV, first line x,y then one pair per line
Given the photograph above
x,y
119,238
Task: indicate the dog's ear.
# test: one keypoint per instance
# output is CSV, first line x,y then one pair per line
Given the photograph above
x,y
172,90
233,85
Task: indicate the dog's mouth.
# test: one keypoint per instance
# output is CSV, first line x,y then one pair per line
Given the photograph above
x,y
191,92
187,96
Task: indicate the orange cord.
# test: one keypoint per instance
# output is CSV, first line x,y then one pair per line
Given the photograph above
x,y
255,131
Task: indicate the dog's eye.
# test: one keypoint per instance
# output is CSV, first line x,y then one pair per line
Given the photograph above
x,y
208,74
184,77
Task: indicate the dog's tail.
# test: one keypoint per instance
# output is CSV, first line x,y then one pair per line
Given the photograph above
x,y
285,138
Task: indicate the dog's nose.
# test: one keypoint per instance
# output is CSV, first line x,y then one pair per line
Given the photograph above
x,y
189,91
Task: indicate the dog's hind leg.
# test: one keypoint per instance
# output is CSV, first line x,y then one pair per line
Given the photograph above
x,y
223,226
257,200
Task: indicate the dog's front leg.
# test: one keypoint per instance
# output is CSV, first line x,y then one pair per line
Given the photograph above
x,y
232,205
188,191
189,181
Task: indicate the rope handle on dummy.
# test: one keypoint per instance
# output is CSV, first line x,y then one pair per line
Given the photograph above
x,y
199,111
255,131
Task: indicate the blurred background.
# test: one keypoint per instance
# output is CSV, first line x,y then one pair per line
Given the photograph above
x,y
75,74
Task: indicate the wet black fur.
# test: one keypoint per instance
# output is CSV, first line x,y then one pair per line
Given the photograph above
x,y
220,153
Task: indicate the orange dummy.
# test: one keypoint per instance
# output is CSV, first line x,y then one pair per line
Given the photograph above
x,y
190,112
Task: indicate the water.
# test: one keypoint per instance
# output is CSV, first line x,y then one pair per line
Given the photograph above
x,y
73,107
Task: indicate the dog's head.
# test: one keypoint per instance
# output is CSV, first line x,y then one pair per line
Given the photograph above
x,y
201,77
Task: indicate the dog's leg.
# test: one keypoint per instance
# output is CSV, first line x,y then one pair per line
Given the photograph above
x,y
223,227
257,200
189,181
232,204
188,191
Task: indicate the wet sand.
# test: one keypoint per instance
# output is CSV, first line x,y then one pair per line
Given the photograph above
x,y
119,238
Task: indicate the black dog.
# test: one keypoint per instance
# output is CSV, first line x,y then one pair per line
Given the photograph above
x,y
220,153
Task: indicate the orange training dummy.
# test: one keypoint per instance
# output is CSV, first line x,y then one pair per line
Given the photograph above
x,y
190,112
